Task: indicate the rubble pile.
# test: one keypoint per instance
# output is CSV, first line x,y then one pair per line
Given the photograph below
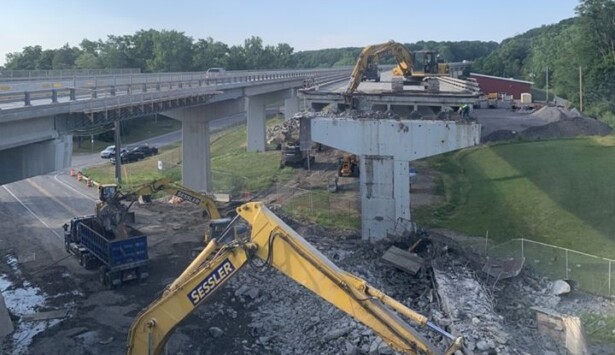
x,y
282,132
559,123
288,319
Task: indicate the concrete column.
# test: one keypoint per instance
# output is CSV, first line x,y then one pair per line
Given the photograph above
x,y
291,105
377,202
196,159
401,194
255,113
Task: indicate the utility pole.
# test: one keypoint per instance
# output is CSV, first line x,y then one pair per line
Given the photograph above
x,y
547,100
580,88
118,158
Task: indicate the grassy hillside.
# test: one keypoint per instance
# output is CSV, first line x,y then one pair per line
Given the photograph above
x,y
560,192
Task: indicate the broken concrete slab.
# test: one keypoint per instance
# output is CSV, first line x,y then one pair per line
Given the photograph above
x,y
409,262
565,329
503,268
560,287
58,313
6,324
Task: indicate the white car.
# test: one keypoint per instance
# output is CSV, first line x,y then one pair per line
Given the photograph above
x,y
213,73
109,152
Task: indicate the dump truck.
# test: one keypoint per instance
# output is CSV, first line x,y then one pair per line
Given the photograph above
x,y
118,259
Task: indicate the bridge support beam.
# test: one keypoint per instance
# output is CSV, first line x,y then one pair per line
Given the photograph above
x,y
386,148
291,104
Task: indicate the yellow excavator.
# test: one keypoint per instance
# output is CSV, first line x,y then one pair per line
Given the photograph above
x,y
412,66
113,214
274,243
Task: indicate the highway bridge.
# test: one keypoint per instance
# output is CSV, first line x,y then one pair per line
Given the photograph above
x,y
38,115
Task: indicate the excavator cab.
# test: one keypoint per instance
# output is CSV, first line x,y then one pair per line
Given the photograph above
x,y
107,192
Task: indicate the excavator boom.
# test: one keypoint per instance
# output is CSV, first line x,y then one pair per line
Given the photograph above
x,y
276,244
203,201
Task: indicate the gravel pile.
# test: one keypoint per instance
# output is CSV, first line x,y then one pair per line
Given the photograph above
x,y
560,123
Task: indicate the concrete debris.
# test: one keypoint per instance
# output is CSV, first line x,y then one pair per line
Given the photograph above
x,y
503,268
283,132
216,332
60,313
560,287
409,262
564,329
6,324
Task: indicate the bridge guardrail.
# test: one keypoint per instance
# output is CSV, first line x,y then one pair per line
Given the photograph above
x,y
129,84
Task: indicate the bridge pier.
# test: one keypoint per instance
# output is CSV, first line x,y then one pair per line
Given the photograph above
x,y
28,160
386,148
255,112
196,154
291,104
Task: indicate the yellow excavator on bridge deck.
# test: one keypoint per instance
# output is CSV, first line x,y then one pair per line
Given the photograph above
x,y
412,66
274,243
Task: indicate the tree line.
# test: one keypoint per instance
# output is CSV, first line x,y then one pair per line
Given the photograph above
x,y
173,51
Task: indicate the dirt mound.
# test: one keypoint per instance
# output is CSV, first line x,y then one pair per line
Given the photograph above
x,y
568,127
500,135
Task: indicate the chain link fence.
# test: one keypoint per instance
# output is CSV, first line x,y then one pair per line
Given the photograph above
x,y
590,273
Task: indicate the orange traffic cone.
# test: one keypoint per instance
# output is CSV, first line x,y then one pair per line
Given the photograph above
x,y
89,182
72,172
79,176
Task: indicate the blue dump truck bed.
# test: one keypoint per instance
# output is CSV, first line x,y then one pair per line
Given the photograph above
x,y
114,253
118,259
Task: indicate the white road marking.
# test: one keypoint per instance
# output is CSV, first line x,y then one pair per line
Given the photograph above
x,y
72,188
32,212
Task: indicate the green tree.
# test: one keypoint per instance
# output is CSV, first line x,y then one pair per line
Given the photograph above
x,y
172,52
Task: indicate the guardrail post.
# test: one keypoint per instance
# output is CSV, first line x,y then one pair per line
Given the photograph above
x,y
158,86
144,88
27,98
72,94
180,85
112,91
54,96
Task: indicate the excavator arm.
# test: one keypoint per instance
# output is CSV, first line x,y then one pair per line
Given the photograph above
x,y
402,56
201,200
274,243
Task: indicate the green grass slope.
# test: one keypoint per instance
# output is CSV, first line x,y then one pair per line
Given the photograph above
x,y
560,192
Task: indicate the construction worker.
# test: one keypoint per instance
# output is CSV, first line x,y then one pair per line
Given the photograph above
x,y
464,110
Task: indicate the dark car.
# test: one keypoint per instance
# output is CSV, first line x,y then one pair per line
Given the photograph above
x,y
146,150
128,157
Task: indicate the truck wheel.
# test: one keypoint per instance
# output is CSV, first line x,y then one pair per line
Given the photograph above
x,y
102,275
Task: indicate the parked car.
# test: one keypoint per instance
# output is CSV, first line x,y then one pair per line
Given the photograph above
x,y
109,152
128,157
146,150
213,73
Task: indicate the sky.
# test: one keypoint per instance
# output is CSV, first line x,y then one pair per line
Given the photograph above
x,y
305,25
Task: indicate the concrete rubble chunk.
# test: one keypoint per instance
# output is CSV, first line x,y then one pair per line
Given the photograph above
x,y
564,329
216,332
6,325
409,262
560,287
337,333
